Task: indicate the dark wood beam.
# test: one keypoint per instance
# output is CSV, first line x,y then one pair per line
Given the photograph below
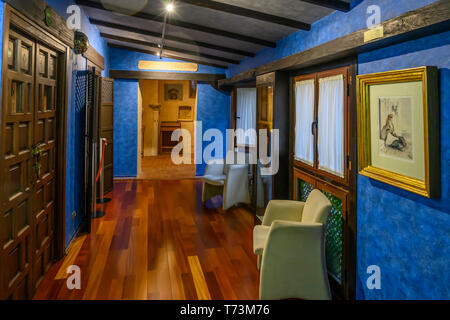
x,y
411,25
95,57
240,11
331,4
169,37
179,50
154,75
179,23
166,55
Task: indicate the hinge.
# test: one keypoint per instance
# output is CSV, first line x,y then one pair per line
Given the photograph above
x,y
349,163
348,89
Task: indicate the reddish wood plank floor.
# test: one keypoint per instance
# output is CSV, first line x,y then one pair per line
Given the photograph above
x,y
157,241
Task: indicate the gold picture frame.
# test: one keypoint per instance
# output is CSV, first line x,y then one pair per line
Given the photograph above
x,y
410,160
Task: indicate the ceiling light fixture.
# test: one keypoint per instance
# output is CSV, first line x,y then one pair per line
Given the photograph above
x,y
169,7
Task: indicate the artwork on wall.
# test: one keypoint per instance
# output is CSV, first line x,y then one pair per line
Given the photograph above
x,y
192,89
185,113
173,92
398,129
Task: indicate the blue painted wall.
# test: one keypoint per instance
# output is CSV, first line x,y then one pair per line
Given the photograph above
x,y
213,108
408,236
125,127
75,153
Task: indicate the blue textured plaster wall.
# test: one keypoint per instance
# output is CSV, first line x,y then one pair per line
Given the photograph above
x,y
213,109
407,235
125,127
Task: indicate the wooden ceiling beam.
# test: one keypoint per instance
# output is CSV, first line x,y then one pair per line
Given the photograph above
x,y
428,20
169,37
240,11
166,55
331,4
179,50
182,24
156,75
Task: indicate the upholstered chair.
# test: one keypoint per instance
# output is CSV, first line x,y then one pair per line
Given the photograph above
x,y
228,180
290,245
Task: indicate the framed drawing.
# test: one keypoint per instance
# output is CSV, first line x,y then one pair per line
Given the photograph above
x,y
398,129
185,113
173,92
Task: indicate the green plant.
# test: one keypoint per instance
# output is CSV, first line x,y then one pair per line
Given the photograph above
x,y
36,152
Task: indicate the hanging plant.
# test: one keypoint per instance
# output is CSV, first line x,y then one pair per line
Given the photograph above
x,y
81,42
48,16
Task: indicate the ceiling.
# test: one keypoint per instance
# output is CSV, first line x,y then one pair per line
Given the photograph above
x,y
217,33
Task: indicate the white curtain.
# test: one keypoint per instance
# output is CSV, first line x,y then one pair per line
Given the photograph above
x,y
331,125
304,117
246,116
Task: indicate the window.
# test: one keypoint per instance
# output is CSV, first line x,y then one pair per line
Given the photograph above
x,y
304,117
246,116
321,127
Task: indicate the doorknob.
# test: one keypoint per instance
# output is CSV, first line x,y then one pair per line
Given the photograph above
x,y
36,152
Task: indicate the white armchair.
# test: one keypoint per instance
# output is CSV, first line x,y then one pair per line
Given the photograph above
x,y
230,181
290,245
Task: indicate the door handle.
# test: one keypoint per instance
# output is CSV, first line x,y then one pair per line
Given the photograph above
x,y
314,126
36,152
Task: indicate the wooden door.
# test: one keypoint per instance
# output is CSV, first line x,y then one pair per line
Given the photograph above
x,y
16,163
27,162
45,139
107,130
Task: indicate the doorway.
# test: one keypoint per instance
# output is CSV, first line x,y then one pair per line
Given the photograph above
x,y
32,157
165,106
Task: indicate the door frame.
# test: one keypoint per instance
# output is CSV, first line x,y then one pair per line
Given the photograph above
x,y
34,31
348,289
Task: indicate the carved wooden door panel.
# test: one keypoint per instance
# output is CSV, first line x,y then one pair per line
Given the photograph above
x,y
16,166
45,140
27,166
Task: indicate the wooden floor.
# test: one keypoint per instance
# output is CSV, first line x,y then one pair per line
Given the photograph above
x,y
158,242
162,168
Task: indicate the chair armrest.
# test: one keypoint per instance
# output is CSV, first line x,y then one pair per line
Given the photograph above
x,y
213,168
293,262
283,210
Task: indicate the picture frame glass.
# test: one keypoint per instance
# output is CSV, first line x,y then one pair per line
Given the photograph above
x,y
397,128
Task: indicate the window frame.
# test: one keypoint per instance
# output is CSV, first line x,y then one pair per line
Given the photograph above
x,y
315,168
233,113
